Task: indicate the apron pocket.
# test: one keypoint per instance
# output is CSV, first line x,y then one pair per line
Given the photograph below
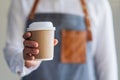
x,y
73,46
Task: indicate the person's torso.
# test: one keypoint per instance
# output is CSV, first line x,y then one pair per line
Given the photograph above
x,y
55,69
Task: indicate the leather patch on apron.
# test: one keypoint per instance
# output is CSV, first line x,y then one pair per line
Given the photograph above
x,y
73,46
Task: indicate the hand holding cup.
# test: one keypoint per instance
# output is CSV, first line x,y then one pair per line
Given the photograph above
x,y
32,51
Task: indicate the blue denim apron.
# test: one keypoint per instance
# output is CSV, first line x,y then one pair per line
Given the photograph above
x,y
55,70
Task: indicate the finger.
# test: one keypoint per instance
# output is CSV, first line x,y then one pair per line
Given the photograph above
x,y
31,51
27,35
32,44
31,63
55,42
27,57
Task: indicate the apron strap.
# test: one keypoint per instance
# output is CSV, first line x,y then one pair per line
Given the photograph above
x,y
32,12
87,20
85,11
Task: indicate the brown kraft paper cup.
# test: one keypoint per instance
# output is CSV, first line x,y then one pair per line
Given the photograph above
x,y
45,39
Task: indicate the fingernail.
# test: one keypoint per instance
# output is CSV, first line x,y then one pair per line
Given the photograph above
x,y
28,34
36,45
37,51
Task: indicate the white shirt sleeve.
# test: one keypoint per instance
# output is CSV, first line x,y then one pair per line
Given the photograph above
x,y
105,54
13,50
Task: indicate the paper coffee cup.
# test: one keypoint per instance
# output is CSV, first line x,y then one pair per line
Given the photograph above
x,y
43,33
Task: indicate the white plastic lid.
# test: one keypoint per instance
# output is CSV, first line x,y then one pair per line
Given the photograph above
x,y
41,26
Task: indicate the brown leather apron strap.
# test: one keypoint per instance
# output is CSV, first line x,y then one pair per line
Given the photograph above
x,y
34,7
85,11
87,20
